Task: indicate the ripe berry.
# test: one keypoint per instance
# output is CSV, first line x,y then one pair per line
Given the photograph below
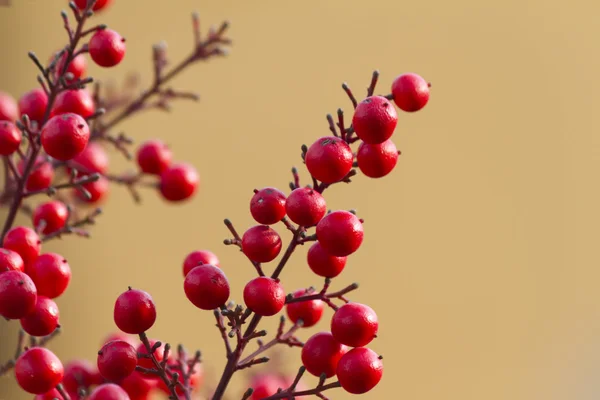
x,y
354,325
324,264
51,274
411,92
267,206
109,391
80,374
375,119
305,206
38,370
10,138
321,353
265,385
76,101
134,311
10,261
76,67
43,320
120,336
98,191
340,233
195,380
199,257
147,362
329,159
65,136
117,360
265,296
377,160
261,243
138,387
34,103
154,156
100,4
359,370
18,295
24,241
206,286
50,395
310,311
8,108
179,182
107,48
50,216
41,175
93,159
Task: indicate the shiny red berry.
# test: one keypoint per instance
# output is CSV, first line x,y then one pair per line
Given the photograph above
x,y
33,104
411,92
321,353
179,182
265,385
138,387
77,67
305,206
93,159
375,119
154,157
53,394
10,261
76,101
79,374
109,391
265,296
329,159
147,363
354,325
8,108
51,216
117,360
261,243
18,295
134,311
267,206
206,286
38,370
99,5
43,320
122,337
107,48
24,241
324,264
41,175
340,233
65,136
98,191
199,257
377,160
51,274
359,370
309,311
10,138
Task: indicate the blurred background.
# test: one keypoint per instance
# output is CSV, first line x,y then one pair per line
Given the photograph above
x,y
480,253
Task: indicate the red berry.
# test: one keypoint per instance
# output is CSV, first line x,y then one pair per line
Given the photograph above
x,y
134,311
265,385
305,206
377,160
18,295
206,286
51,274
375,119
340,233
359,370
107,48
147,362
100,4
51,216
199,257
41,174
324,264
179,182
261,243
310,311
265,296
50,395
321,353
267,206
154,156
77,66
354,325
34,103
43,320
24,241
10,261
329,159
76,101
138,387
195,381
97,190
8,108
93,159
38,370
109,391
79,374
117,360
411,92
120,336
10,138
65,136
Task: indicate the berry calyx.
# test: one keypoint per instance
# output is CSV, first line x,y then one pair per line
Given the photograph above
x,y
377,160
305,206
38,370
309,311
18,295
51,274
267,206
10,261
154,157
179,182
76,101
9,111
375,120
354,325
109,391
43,320
411,92
10,138
65,136
93,159
199,257
134,311
51,216
24,241
33,104
99,5
324,264
206,286
117,359
265,296
340,233
107,48
329,159
261,243
359,370
41,175
147,363
321,354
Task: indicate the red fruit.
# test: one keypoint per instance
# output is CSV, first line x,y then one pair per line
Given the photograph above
x,y
43,320
354,325
267,206
24,241
179,182
51,216
305,206
324,264
97,190
377,160
100,4
41,175
199,257
265,386
147,362
109,391
107,48
340,233
115,336
359,370
34,103
10,261
76,101
18,295
138,387
80,374
38,370
310,311
50,395
117,360
76,67
8,108
265,296
261,244
51,274
154,156
206,286
329,159
134,311
65,136
195,381
10,138
93,159
321,353
375,119
411,92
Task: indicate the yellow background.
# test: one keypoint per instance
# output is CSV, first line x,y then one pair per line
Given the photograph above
x,y
481,253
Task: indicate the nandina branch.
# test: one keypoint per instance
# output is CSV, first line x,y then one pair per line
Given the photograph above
x,y
280,338
160,369
75,227
50,191
323,295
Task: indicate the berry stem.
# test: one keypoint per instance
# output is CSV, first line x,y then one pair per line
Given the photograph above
x,y
281,337
63,392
